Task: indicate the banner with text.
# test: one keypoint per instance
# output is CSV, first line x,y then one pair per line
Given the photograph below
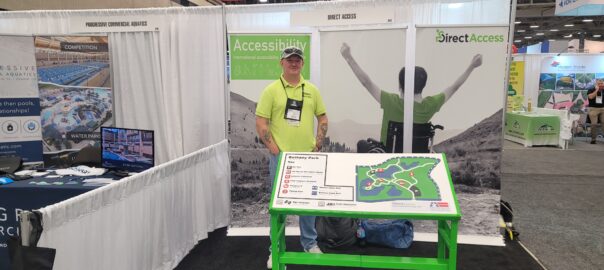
x,y
565,79
254,63
365,16
20,133
516,85
113,24
256,56
76,98
465,88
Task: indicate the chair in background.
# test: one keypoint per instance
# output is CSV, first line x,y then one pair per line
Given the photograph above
x,y
575,120
89,156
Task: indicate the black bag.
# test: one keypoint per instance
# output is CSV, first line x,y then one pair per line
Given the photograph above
x,y
336,233
29,258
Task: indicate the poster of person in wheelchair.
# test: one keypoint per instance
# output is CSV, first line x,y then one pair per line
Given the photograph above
x,y
458,100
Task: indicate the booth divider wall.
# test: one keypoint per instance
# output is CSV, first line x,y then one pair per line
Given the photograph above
x,y
147,221
160,77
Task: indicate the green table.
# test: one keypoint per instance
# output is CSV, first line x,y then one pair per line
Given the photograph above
x,y
381,186
532,129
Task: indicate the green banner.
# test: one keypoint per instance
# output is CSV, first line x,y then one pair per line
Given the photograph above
x,y
256,56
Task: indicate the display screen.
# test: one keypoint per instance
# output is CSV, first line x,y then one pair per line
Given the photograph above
x,y
129,150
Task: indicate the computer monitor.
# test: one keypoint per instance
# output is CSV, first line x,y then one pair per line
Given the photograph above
x,y
127,150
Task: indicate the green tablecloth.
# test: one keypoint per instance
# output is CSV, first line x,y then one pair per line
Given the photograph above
x,y
532,129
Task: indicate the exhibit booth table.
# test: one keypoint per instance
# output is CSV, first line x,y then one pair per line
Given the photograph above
x,y
32,194
382,186
532,129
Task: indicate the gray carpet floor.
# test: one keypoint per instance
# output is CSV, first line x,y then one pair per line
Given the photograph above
x,y
558,201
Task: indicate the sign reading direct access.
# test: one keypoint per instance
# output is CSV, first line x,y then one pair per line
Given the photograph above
x,y
256,56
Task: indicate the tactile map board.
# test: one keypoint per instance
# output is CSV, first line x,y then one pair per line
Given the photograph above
x,y
386,183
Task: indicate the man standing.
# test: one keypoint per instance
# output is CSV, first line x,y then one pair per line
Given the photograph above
x,y
596,108
285,123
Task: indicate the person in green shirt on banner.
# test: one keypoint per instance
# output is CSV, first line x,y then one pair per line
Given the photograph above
x,y
392,104
285,117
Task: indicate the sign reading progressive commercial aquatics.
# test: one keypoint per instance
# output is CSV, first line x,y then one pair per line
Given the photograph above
x,y
256,56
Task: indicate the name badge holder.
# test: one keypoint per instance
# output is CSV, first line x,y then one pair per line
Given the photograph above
x,y
293,108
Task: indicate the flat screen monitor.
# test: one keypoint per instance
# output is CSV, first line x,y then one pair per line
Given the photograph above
x,y
127,150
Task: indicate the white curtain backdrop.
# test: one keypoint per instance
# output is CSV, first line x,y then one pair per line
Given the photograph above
x,y
275,18
532,70
147,221
254,17
171,81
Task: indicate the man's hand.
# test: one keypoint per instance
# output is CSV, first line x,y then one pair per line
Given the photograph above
x,y
476,61
345,50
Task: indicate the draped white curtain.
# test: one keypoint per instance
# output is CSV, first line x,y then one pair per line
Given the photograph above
x,y
263,17
147,221
532,70
171,81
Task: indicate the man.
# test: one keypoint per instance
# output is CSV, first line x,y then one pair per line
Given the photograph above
x,y
392,104
596,108
285,122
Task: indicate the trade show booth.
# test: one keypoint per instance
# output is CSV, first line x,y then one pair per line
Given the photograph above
x,y
193,77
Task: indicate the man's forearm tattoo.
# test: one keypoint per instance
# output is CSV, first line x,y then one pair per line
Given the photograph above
x,y
321,133
266,137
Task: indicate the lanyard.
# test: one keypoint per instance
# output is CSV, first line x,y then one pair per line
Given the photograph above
x,y
282,84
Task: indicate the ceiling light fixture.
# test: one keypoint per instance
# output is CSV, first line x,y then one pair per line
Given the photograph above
x,y
539,34
517,41
569,36
588,20
553,30
517,22
569,25
551,40
534,26
520,30
528,37
596,35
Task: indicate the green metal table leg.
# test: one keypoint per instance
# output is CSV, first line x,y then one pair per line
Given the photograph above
x,y
453,245
442,225
277,240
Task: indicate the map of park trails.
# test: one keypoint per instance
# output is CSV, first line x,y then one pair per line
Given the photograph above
x,y
403,178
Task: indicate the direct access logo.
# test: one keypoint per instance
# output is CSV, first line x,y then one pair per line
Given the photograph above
x,y
444,37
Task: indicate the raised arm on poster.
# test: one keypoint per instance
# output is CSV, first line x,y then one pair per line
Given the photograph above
x,y
392,103
476,62
375,91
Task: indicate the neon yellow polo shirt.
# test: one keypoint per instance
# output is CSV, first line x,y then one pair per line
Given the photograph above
x,y
394,110
272,106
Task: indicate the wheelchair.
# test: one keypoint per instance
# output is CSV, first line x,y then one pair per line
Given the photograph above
x,y
423,139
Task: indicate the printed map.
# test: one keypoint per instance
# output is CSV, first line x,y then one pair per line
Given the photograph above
x,y
403,178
